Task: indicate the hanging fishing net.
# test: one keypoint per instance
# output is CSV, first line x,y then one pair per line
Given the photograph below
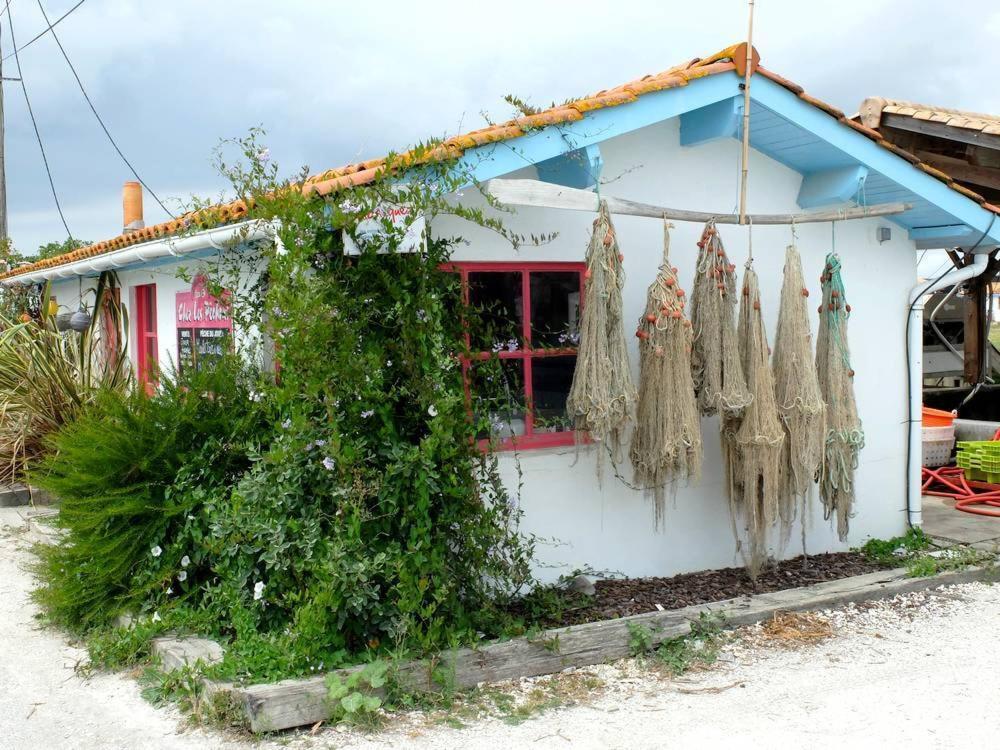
x,y
753,443
797,392
715,366
844,436
666,443
602,396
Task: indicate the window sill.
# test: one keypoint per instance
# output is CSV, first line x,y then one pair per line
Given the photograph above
x,y
532,442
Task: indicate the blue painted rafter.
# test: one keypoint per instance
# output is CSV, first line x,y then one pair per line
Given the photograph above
x,y
953,235
579,168
711,123
832,186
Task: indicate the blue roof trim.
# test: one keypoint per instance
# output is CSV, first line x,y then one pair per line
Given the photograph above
x,y
877,158
783,126
496,159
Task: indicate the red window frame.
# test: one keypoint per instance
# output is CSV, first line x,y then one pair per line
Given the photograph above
x,y
147,344
526,354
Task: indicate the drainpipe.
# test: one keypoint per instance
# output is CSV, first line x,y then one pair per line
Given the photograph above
x,y
915,349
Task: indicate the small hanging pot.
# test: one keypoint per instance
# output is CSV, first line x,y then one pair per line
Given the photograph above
x,y
62,321
80,321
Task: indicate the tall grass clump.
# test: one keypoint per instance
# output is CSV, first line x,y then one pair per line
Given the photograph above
x,y
47,376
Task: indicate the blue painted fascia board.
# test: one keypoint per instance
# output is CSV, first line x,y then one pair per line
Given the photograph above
x,y
832,186
497,159
877,158
711,123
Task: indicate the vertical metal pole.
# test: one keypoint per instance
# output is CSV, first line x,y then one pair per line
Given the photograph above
x,y
3,170
746,120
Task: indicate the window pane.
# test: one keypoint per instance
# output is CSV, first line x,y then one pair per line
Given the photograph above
x,y
498,397
551,378
498,309
555,308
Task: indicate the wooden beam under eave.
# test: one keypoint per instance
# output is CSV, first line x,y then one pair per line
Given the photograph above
x,y
962,170
941,130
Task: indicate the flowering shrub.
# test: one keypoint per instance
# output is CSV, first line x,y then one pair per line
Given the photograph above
x,y
341,508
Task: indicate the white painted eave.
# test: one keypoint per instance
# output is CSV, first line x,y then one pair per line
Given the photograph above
x,y
136,255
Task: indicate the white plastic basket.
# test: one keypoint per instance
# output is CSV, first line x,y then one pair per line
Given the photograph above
x,y
937,444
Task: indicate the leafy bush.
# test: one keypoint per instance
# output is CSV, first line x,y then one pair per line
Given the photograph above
x,y
890,551
353,698
130,473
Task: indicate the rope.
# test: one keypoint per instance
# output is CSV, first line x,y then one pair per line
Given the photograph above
x,y
602,396
844,435
797,391
666,444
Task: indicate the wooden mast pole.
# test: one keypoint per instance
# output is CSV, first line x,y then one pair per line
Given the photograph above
x,y
746,120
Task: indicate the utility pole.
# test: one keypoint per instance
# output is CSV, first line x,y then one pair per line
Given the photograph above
x,y
3,167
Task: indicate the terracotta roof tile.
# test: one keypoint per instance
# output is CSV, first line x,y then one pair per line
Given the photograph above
x,y
730,59
873,107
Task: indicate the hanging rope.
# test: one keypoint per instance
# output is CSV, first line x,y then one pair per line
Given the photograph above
x,y
666,444
844,435
752,443
715,365
797,392
602,397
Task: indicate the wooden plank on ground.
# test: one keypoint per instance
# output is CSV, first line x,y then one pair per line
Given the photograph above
x,y
292,703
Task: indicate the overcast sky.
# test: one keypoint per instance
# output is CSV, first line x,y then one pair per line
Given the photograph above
x,y
335,82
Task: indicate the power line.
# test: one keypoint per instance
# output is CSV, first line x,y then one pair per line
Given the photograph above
x,y
34,123
94,110
41,34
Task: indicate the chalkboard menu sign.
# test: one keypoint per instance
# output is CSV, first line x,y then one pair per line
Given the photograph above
x,y
204,328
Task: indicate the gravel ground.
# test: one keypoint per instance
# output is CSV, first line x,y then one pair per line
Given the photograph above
x,y
918,671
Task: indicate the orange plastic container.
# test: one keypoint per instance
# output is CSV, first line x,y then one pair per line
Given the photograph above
x,y
937,418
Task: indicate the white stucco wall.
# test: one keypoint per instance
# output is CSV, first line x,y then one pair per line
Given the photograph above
x,y
168,282
607,526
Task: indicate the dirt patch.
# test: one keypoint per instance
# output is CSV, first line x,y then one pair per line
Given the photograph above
x,y
632,596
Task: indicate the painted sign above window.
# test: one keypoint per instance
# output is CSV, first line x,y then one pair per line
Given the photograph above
x,y
374,229
204,327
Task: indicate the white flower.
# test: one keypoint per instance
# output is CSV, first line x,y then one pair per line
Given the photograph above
x,y
170,591
388,363
156,617
432,410
185,561
286,424
258,590
367,413
255,396
264,155
320,443
182,576
156,551
329,464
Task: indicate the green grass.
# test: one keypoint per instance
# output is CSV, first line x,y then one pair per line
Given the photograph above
x,y
883,551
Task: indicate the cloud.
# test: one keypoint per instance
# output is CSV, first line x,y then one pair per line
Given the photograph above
x,y
337,82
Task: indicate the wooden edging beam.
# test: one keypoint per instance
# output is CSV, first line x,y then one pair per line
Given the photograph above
x,y
293,703
546,195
